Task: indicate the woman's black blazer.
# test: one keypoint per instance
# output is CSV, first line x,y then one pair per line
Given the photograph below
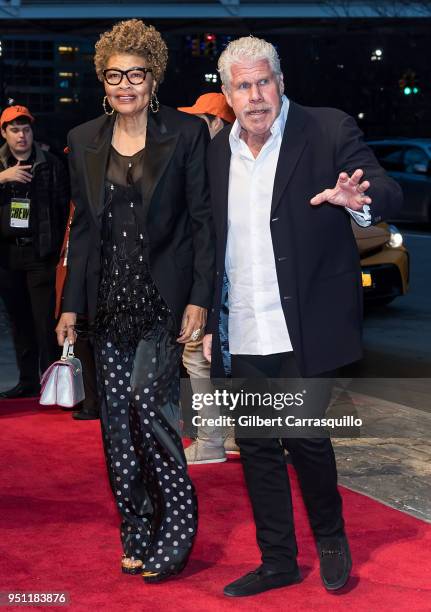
x,y
175,210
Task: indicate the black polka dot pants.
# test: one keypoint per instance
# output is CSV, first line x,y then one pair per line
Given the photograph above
x,y
144,454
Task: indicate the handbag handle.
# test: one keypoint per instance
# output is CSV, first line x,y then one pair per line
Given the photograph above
x,y
67,350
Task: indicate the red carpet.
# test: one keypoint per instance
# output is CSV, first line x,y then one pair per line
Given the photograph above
x,y
59,533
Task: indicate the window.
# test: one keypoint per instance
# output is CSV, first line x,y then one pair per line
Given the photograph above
x,y
31,50
36,102
416,161
29,75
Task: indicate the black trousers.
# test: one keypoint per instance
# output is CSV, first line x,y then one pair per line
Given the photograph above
x,y
143,449
27,286
267,478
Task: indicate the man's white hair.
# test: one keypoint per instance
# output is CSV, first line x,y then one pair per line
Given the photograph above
x,y
247,48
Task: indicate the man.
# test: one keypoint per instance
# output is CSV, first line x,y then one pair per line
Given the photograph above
x,y
285,182
212,443
34,202
213,109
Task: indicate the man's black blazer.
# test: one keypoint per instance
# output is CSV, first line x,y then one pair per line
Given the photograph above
x,y
316,257
175,209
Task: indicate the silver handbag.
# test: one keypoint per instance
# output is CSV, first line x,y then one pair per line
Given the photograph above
x,y
62,383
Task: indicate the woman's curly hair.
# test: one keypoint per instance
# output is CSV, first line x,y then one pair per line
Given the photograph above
x,y
134,37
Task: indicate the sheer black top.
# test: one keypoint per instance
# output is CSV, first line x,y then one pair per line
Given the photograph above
x,y
129,305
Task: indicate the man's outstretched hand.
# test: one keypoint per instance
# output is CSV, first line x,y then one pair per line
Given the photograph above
x,y
348,192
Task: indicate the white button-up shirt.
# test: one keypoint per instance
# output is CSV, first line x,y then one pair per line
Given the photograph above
x,y
257,325
256,321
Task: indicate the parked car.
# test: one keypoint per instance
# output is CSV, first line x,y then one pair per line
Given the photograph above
x,y
408,161
384,262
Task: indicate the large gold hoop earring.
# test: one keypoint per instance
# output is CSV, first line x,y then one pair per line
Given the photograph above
x,y
154,103
104,103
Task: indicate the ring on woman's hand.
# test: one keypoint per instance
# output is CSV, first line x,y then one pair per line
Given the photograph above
x,y
196,335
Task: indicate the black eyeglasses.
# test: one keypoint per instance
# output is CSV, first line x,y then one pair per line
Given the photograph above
x,y
135,76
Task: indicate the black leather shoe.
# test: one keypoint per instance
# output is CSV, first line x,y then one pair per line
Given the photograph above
x,y
85,415
335,562
21,391
261,580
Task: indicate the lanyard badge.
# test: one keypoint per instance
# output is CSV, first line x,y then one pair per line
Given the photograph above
x,y
20,213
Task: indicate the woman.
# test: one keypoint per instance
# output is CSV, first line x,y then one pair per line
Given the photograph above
x,y
141,260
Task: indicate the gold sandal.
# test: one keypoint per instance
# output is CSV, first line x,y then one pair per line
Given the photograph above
x,y
131,566
153,577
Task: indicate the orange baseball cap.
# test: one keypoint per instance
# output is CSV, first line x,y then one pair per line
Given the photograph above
x,y
13,112
212,104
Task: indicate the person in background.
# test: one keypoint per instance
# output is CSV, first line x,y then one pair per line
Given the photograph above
x,y
34,204
212,443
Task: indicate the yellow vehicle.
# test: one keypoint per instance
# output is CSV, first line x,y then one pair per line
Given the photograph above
x,y
384,261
